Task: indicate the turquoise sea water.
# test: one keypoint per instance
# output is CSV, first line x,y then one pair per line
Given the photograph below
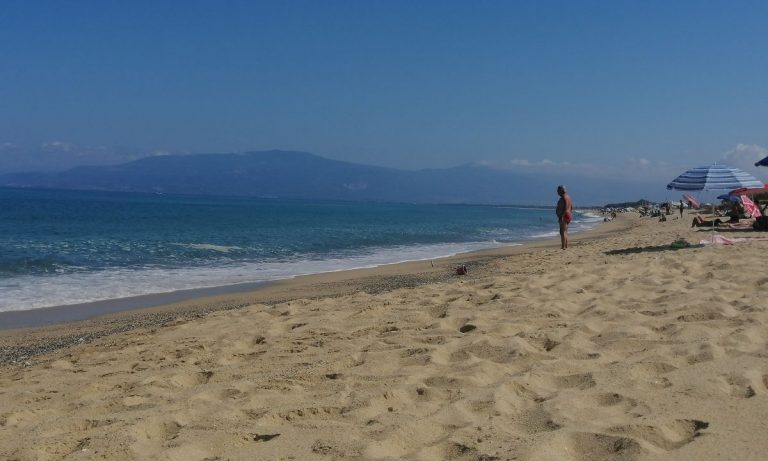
x,y
68,247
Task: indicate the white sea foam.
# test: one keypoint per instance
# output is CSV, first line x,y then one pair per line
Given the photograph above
x,y
31,292
589,216
209,246
546,235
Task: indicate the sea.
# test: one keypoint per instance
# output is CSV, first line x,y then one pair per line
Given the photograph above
x,y
61,247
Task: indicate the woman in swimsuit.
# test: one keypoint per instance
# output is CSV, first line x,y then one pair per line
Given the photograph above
x,y
698,221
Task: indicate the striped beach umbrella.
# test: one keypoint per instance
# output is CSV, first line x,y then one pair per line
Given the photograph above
x,y
714,177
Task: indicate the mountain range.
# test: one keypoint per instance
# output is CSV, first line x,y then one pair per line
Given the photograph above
x,y
300,175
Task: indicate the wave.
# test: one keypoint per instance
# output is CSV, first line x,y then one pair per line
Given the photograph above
x,y
32,292
208,246
546,235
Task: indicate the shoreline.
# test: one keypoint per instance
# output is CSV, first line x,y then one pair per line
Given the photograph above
x,y
65,313
29,333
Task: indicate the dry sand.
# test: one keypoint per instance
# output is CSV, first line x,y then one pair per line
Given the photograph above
x,y
619,348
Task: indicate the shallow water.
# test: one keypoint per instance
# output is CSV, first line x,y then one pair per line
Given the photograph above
x,y
68,247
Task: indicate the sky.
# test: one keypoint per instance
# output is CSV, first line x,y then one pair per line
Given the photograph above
x,y
635,89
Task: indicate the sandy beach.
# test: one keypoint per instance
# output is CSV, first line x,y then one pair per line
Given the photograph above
x,y
618,348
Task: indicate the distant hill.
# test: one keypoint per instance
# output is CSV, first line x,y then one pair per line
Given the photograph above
x,y
286,174
636,204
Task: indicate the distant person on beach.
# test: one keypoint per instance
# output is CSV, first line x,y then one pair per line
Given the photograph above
x,y
681,209
564,214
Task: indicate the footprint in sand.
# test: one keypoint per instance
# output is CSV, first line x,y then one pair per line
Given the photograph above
x,y
579,381
650,369
436,340
609,399
587,446
700,316
622,403
539,340
651,374
459,452
310,413
416,356
328,448
536,420
136,401
493,352
438,311
184,380
667,437
738,386
155,431
444,382
704,354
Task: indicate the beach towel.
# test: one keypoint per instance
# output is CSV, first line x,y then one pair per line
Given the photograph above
x,y
743,224
720,240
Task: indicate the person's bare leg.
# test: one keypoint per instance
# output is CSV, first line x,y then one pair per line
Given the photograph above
x,y
563,235
566,235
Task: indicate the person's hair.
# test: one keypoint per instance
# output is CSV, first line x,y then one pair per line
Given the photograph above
x,y
561,188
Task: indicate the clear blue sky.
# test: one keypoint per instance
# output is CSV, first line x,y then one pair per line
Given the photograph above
x,y
412,84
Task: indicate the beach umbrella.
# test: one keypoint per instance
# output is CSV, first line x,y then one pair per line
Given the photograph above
x,y
729,197
749,190
763,162
691,201
751,207
714,177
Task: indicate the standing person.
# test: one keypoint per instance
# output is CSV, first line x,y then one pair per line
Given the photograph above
x,y
564,214
681,209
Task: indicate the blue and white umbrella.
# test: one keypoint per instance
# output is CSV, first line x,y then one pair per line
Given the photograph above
x,y
714,177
